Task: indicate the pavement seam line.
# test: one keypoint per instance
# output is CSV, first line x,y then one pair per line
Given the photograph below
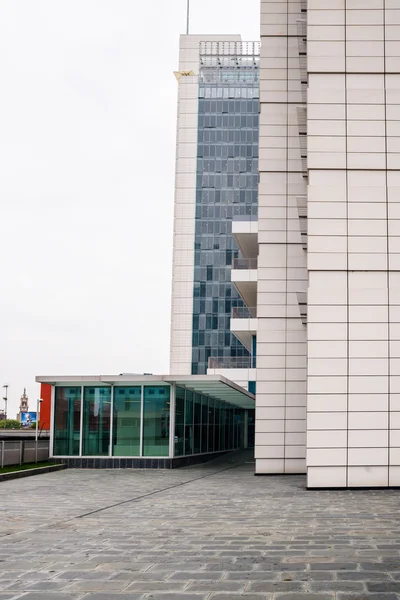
x,y
171,487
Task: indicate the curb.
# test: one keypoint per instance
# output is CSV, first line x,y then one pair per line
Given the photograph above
x,y
30,472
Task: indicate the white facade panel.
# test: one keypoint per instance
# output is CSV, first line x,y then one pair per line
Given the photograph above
x,y
353,265
281,337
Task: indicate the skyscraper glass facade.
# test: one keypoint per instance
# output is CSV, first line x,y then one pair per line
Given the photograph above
x,y
227,187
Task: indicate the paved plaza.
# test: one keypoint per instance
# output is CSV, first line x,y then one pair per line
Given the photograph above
x,y
212,532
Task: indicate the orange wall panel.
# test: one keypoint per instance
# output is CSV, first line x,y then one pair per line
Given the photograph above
x,y
45,407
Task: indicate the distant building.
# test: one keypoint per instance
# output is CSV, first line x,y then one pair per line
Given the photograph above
x,y
23,405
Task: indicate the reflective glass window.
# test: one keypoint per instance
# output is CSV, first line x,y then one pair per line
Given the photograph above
x,y
67,421
197,424
217,430
96,421
231,428
189,422
126,421
156,412
239,428
228,430
204,424
223,416
228,130
211,416
179,421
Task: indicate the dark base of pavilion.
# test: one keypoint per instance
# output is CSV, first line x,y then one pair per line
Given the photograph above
x,y
137,463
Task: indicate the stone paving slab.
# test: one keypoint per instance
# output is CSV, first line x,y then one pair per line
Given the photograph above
x,y
50,596
101,596
212,532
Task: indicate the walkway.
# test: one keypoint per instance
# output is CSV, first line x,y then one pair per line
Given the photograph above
x,y
213,532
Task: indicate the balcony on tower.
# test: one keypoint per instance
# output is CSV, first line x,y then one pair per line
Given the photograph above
x,y
242,369
244,268
245,232
244,325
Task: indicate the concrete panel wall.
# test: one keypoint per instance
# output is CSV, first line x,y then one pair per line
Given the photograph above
x,y
281,337
353,415
185,203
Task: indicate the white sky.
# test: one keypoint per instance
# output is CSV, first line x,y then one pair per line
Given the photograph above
x,y
87,150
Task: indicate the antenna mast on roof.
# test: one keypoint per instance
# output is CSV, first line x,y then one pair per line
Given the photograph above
x,y
188,17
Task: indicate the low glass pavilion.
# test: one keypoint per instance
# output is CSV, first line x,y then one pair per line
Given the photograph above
x,y
157,421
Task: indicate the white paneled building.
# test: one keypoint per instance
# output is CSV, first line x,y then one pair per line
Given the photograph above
x,y
354,269
282,261
319,269
329,182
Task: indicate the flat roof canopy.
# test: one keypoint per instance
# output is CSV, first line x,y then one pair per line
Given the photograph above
x,y
216,386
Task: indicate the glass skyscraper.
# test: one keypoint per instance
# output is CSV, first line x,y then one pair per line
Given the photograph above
x,y
225,89
226,186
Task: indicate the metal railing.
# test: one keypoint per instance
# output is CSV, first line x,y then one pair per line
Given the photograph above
x,y
232,362
244,312
232,48
238,218
244,263
19,452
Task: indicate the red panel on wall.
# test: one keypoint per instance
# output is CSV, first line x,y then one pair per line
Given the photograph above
x,y
45,407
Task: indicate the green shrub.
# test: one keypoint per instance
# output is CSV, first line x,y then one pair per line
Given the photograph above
x,y
10,424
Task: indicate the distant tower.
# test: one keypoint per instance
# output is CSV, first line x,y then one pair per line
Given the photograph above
x,y
23,405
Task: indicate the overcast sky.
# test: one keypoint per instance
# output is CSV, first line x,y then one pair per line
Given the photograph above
x,y
87,150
